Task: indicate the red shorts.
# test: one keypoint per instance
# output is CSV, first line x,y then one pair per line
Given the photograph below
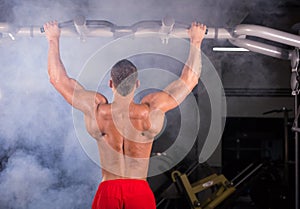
x,y
124,194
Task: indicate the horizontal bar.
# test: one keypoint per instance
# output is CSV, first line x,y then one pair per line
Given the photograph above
x,y
165,29
34,31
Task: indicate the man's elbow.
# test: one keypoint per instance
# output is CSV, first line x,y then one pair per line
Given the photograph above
x,y
195,81
54,82
191,82
57,80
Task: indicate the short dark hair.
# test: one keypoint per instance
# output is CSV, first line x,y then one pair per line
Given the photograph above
x,y
124,76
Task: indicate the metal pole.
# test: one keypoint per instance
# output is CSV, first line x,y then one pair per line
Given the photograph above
x,y
296,156
286,145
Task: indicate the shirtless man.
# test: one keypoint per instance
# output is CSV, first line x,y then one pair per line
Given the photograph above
x,y
124,131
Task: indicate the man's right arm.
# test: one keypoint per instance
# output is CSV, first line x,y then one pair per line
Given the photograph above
x,y
70,89
179,89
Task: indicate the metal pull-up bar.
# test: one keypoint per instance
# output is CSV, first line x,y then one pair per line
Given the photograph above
x,y
165,29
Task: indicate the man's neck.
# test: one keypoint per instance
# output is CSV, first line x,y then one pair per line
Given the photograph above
x,y
119,99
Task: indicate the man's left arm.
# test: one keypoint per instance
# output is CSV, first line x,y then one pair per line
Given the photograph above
x,y
178,90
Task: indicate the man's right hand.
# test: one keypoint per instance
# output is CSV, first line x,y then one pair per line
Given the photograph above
x,y
52,30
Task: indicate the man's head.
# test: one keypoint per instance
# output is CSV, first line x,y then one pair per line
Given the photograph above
x,y
124,77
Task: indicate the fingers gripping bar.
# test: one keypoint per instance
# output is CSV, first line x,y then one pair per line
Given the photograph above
x,y
60,25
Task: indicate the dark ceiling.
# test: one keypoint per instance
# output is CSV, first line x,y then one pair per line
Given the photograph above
x,y
282,15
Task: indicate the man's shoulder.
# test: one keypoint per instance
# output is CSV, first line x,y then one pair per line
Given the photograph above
x,y
104,110
100,99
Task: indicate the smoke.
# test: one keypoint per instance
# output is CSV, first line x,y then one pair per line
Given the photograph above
x,y
42,162
45,166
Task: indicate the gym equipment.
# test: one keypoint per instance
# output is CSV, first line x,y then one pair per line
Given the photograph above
x,y
165,29
220,188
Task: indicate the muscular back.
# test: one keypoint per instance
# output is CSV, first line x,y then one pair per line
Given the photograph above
x,y
124,135
124,138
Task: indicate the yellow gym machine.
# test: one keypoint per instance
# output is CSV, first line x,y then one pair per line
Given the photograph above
x,y
222,189
217,184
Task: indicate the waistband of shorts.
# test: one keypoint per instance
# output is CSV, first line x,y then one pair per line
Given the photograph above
x,y
124,181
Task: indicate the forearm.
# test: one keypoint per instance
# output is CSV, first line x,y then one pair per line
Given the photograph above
x,y
193,62
189,78
56,70
192,69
